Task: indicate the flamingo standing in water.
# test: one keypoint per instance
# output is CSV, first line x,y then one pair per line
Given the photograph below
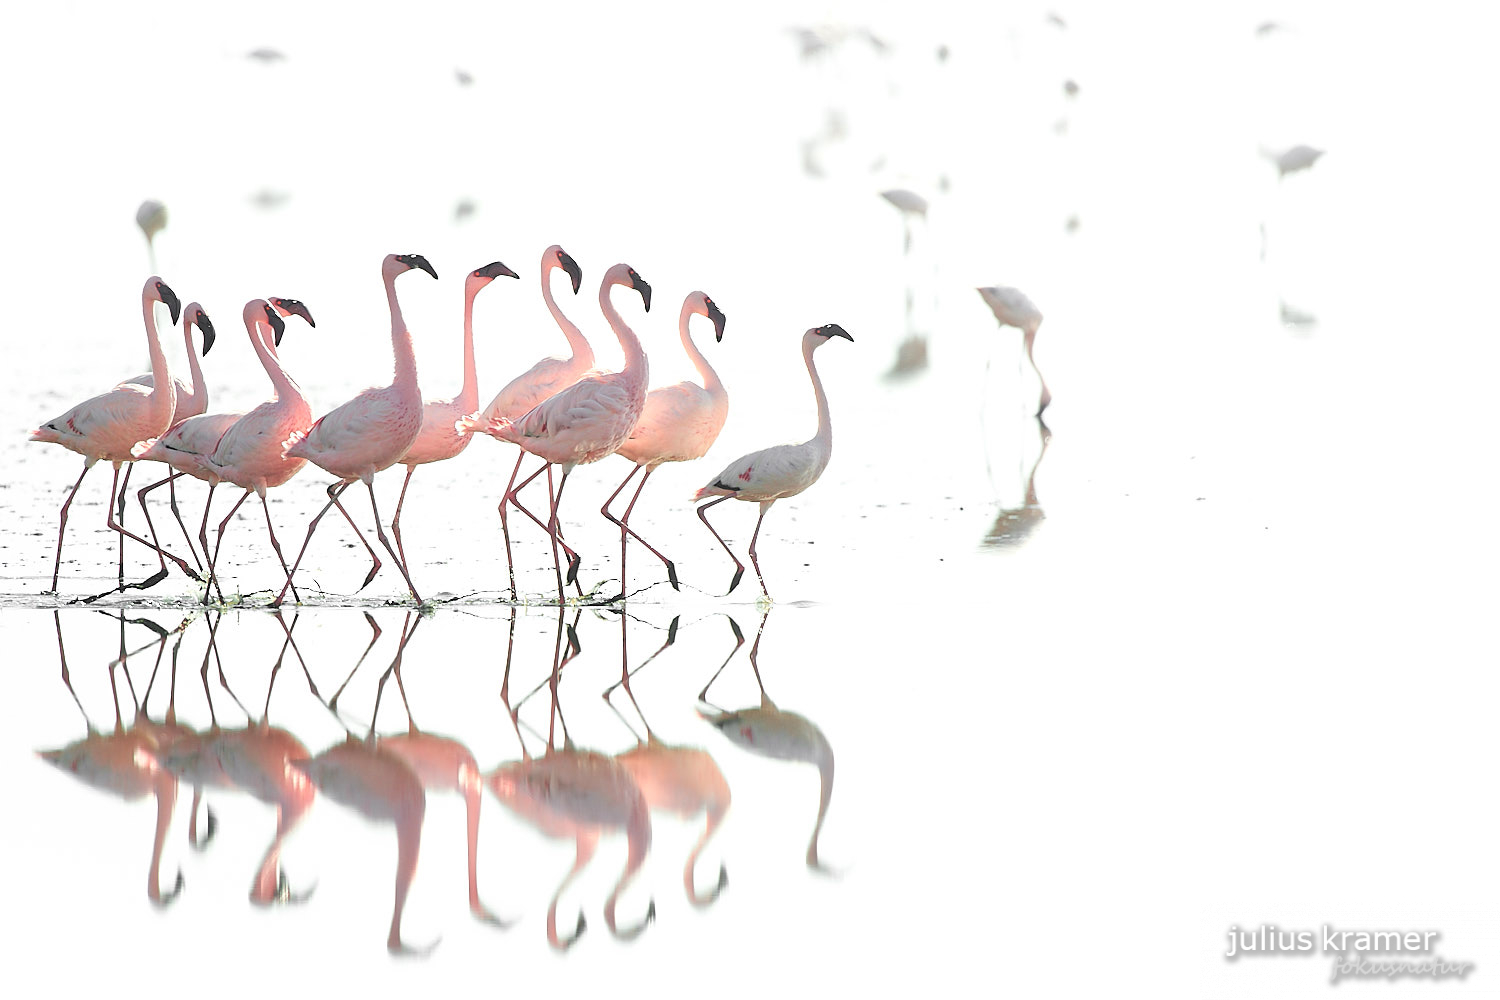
x,y
678,424
189,401
107,426
542,380
249,454
773,474
440,438
590,419
371,432
1012,308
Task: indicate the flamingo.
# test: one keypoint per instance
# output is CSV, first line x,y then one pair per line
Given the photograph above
x,y
440,438
588,420
379,785
542,380
1292,159
151,216
125,763
785,470
1012,308
768,731
442,764
189,401
107,426
579,794
249,454
680,780
372,431
678,424
1014,525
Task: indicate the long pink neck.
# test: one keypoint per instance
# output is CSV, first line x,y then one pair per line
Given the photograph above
x,y
824,760
200,388
824,437
705,370
636,367
583,354
468,396
639,843
406,358
162,395
286,389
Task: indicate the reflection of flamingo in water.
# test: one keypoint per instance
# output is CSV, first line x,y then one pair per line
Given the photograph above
x,y
680,780
1012,308
123,763
442,764
1014,525
767,731
257,760
579,794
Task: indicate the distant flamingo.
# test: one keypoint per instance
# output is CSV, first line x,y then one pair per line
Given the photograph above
x,y
681,780
191,402
371,432
107,426
773,474
439,438
542,380
249,455
151,216
767,731
1012,308
588,420
125,764
678,424
379,785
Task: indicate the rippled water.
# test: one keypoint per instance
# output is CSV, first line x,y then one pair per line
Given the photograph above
x,y
1206,650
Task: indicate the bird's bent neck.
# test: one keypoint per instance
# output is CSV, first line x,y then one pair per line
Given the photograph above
x,y
406,358
824,437
281,382
710,377
583,354
162,395
635,357
468,396
200,388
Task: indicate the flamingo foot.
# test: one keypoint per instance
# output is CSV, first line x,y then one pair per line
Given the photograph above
x,y
208,832
396,947
736,581
672,574
484,916
165,900
284,893
574,561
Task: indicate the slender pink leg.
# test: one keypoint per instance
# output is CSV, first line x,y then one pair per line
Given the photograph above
x,y
739,567
57,563
374,559
512,496
213,562
170,483
334,489
161,553
276,545
620,524
396,521
380,533
765,505
510,563
203,525
120,515
625,524
374,638
552,535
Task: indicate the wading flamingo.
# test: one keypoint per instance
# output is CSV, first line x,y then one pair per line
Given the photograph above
x,y
1012,308
773,474
588,420
379,785
542,380
1014,526
126,763
678,424
107,426
249,455
440,438
767,731
372,431
681,780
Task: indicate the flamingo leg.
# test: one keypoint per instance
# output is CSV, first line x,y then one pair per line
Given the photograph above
x,y
380,533
765,505
203,525
396,521
213,563
739,567
375,560
170,483
57,563
120,516
512,496
1046,397
374,638
510,564
625,524
586,843
620,524
552,535
276,545
162,554
334,489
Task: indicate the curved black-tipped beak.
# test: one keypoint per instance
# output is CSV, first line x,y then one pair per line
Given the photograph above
x,y
834,330
207,329
495,270
718,320
639,284
292,307
417,260
575,273
170,298
278,327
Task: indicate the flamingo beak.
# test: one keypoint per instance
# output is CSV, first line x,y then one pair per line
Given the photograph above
x,y
417,260
207,329
639,284
495,270
717,316
293,307
834,330
278,326
575,273
170,298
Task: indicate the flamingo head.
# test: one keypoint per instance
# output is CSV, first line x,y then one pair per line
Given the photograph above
x,y
700,303
638,283
274,321
825,333
194,315
158,290
291,307
558,257
483,276
398,263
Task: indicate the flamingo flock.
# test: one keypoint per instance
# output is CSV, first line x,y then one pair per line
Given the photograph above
x,y
563,410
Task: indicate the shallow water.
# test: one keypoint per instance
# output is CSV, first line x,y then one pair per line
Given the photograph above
x,y
1224,669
